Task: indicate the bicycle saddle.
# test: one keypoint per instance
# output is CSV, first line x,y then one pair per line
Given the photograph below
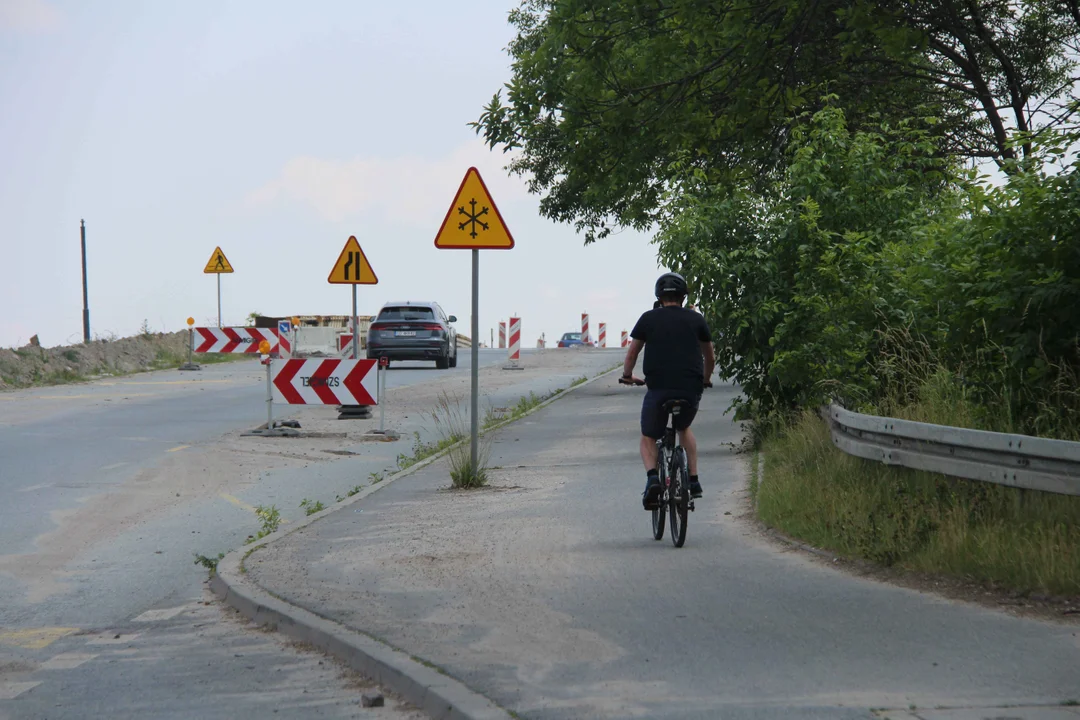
x,y
674,407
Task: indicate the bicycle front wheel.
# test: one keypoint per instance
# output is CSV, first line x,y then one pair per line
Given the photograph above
x,y
680,497
659,514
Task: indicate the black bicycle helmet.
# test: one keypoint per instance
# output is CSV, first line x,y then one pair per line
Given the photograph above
x,y
671,284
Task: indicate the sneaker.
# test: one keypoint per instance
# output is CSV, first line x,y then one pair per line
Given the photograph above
x,y
650,499
695,489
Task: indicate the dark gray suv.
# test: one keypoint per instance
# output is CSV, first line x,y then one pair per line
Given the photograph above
x,y
414,331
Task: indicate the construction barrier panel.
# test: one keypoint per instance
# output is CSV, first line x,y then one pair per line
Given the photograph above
x,y
515,340
234,339
324,381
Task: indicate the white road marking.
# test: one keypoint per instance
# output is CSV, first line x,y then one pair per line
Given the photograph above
x,y
67,661
114,466
156,615
178,447
32,488
9,690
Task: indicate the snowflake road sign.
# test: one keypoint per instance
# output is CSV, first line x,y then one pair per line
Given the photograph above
x,y
473,221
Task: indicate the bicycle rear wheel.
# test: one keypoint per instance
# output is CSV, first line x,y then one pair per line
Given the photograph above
x,y
659,514
680,497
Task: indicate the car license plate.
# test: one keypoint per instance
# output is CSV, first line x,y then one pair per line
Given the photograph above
x,y
405,333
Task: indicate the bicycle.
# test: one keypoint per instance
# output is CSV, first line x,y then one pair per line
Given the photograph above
x,y
675,501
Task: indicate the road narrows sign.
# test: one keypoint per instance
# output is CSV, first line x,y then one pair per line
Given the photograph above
x,y
352,266
473,222
217,263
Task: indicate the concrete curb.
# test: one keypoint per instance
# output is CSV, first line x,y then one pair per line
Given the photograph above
x,y
439,695
434,692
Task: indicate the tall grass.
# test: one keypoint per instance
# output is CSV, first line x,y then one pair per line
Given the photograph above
x,y
974,390
453,426
1023,539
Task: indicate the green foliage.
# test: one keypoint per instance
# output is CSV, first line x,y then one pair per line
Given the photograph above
x,y
607,100
311,507
269,521
210,563
871,247
354,490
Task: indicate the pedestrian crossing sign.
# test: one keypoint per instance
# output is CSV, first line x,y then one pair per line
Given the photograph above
x,y
218,263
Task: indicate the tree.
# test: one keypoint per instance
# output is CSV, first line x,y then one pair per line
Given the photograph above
x,y
612,104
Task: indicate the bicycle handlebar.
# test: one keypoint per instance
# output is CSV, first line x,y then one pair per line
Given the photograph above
x,y
637,382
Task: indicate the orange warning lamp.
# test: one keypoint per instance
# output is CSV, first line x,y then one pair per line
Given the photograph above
x,y
190,321
264,347
296,322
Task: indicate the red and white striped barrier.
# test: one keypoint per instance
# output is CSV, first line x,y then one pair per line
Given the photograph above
x,y
515,340
324,381
585,328
234,340
603,335
502,334
284,332
345,346
625,339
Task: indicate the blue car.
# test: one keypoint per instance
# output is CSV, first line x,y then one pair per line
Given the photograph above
x,y
572,339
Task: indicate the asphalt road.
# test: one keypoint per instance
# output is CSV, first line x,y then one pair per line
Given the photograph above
x,y
118,444
547,593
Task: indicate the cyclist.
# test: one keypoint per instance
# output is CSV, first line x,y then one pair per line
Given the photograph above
x,y
678,363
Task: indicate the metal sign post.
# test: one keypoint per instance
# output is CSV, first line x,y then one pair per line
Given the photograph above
x,y
85,290
384,362
269,395
475,407
473,222
189,365
218,264
355,328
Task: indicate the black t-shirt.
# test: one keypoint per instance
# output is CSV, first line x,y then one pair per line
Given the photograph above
x,y
673,337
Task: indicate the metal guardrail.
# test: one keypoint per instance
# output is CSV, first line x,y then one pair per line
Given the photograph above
x,y
1005,459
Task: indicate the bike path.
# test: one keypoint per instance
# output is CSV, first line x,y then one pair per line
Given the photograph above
x,y
546,593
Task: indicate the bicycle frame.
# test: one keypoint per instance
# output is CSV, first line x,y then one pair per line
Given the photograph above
x,y
666,452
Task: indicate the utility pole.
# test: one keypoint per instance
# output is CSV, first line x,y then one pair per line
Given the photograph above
x,y
85,293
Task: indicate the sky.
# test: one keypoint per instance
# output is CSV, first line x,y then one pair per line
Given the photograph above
x,y
274,130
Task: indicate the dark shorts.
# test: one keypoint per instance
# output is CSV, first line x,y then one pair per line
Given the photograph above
x,y
653,420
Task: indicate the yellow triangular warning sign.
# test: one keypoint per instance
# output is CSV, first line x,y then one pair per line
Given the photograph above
x,y
473,222
218,263
352,267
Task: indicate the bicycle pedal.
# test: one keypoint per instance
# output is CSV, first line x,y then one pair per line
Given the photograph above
x,y
691,507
